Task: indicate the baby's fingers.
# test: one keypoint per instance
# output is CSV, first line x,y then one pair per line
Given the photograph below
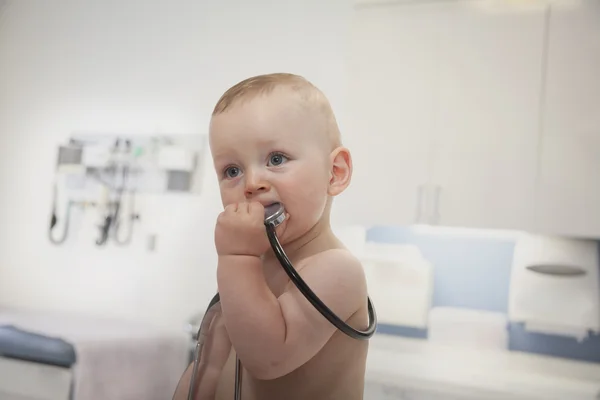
x,y
257,210
243,208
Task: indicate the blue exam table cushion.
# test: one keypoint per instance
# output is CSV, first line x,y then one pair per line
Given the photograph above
x,y
28,346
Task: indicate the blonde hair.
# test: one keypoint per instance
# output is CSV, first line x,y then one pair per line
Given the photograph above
x,y
265,84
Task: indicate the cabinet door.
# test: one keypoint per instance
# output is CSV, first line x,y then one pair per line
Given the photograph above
x,y
484,167
568,200
391,98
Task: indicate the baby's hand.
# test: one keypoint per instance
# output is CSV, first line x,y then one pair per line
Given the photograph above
x,y
240,230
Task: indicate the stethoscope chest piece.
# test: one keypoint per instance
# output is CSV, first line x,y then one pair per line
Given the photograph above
x,y
274,215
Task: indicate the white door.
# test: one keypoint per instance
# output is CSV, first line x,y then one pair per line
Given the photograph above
x,y
568,201
487,116
391,98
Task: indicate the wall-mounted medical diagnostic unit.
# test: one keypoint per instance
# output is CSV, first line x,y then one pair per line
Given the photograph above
x,y
107,171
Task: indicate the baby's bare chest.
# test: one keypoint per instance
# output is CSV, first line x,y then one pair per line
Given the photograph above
x,y
332,375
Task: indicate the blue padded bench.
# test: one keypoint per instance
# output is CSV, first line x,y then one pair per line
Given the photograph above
x,y
22,345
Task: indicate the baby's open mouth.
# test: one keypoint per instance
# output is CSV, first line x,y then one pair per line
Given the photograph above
x,y
271,209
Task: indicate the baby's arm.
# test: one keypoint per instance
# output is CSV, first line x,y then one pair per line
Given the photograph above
x,y
274,336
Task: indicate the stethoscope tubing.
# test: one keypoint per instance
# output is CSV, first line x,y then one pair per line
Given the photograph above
x,y
314,299
271,223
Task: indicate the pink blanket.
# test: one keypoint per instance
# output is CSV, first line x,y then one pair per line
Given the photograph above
x,y
116,360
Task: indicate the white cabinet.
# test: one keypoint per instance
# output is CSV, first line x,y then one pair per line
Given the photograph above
x,y
392,71
476,114
444,109
568,197
484,163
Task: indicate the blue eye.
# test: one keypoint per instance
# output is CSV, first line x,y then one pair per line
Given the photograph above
x,y
232,172
277,159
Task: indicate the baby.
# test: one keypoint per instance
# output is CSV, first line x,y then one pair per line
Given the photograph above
x,y
274,139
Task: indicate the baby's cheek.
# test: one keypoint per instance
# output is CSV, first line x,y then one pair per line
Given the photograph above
x,y
312,197
227,192
227,197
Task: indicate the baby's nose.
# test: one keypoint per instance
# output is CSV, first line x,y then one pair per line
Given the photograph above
x,y
255,184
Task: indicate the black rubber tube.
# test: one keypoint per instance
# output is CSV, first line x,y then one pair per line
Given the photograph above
x,y
313,298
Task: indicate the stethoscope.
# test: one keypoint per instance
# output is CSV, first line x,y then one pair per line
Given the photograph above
x,y
273,220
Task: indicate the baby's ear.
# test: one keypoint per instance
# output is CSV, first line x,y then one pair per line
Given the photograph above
x,y
341,170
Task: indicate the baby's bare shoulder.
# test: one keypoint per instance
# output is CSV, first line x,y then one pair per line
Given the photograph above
x,y
334,261
336,266
342,258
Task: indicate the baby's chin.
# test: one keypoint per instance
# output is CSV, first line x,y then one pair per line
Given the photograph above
x,y
286,232
294,233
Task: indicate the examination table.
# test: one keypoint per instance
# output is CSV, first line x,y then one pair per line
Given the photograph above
x,y
54,356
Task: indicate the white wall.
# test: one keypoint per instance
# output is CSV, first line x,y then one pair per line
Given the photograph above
x,y
137,67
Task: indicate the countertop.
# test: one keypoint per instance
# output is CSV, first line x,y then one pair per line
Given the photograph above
x,y
479,373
